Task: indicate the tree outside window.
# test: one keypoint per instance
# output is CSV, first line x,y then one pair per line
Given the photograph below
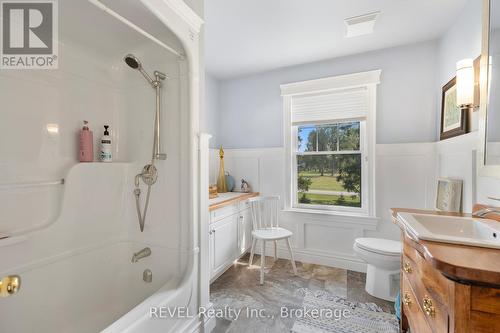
x,y
329,164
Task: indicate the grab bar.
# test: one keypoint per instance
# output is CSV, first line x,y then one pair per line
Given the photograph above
x,y
32,184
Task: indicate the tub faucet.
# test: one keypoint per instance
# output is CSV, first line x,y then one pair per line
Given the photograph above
x,y
485,211
145,252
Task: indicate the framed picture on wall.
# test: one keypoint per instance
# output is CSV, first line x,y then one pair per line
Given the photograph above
x,y
454,120
449,195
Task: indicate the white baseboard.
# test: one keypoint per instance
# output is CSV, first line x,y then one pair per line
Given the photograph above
x,y
200,326
194,326
209,325
329,259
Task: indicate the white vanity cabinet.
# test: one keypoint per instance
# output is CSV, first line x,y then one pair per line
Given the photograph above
x,y
223,244
230,234
244,230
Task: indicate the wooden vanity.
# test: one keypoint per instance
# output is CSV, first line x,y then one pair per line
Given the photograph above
x,y
447,288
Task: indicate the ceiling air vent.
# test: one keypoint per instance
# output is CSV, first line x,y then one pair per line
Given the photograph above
x,y
360,25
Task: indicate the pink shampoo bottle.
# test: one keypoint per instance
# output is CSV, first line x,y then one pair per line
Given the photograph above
x,y
86,143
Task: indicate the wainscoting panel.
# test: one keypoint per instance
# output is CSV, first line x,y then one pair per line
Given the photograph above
x,y
456,158
243,167
405,175
325,238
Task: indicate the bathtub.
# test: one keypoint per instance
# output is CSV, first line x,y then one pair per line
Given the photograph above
x,y
77,273
94,289
175,294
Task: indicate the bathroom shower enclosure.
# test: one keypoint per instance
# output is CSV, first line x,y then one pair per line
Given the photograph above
x,y
69,230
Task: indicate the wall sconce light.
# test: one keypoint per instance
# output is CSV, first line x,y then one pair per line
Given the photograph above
x,y
465,83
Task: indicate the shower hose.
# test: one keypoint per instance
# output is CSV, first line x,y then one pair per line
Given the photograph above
x,y
137,193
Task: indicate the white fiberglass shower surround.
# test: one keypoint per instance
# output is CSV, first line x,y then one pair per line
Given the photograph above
x,y
70,230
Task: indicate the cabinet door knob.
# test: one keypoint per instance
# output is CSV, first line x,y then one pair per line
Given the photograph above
x,y
407,267
407,299
428,308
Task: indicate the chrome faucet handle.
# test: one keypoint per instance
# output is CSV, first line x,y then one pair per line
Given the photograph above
x,y
149,174
485,211
145,252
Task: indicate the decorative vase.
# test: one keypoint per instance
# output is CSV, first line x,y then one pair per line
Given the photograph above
x,y
229,182
221,181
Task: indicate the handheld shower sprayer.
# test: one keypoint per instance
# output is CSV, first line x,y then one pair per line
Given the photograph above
x,y
149,173
134,63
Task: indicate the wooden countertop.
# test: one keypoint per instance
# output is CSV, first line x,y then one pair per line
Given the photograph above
x,y
463,263
229,198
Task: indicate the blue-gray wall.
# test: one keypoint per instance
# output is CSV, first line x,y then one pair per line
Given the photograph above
x,y
246,112
250,108
462,40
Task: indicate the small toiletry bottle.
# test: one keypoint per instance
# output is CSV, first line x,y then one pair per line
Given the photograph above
x,y
106,154
86,143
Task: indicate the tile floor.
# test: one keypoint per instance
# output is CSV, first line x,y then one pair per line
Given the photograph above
x,y
238,288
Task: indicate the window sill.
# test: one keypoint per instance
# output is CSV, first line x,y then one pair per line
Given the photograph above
x,y
342,218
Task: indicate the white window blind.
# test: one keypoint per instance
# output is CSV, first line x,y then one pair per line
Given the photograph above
x,y
340,104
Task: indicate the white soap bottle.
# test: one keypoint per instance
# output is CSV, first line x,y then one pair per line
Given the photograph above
x,y
106,151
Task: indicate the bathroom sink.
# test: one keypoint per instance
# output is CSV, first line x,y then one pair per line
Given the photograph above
x,y
451,229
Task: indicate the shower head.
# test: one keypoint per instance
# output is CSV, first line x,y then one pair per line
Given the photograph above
x,y
132,61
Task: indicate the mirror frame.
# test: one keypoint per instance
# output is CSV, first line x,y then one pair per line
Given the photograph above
x,y
483,168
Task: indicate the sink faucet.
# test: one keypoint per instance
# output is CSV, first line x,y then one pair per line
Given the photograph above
x,y
145,252
485,211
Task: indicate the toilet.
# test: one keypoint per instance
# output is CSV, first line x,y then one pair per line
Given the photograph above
x,y
383,257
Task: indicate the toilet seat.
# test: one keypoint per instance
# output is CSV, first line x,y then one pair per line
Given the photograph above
x,y
384,247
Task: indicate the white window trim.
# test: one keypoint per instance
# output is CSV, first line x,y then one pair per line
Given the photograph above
x,y
370,80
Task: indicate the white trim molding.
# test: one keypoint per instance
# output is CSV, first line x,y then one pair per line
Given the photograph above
x,y
333,218
325,258
332,83
369,81
187,14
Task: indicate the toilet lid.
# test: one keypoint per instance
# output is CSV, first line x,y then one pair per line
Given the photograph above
x,y
378,245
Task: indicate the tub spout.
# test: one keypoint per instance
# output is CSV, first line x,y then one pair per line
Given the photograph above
x,y
145,252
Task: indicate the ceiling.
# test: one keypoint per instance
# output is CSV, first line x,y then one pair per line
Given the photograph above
x,y
249,36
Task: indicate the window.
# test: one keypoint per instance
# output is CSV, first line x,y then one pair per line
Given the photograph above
x,y
329,164
330,139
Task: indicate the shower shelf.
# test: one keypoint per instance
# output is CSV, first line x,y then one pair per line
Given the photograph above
x,y
31,184
11,240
